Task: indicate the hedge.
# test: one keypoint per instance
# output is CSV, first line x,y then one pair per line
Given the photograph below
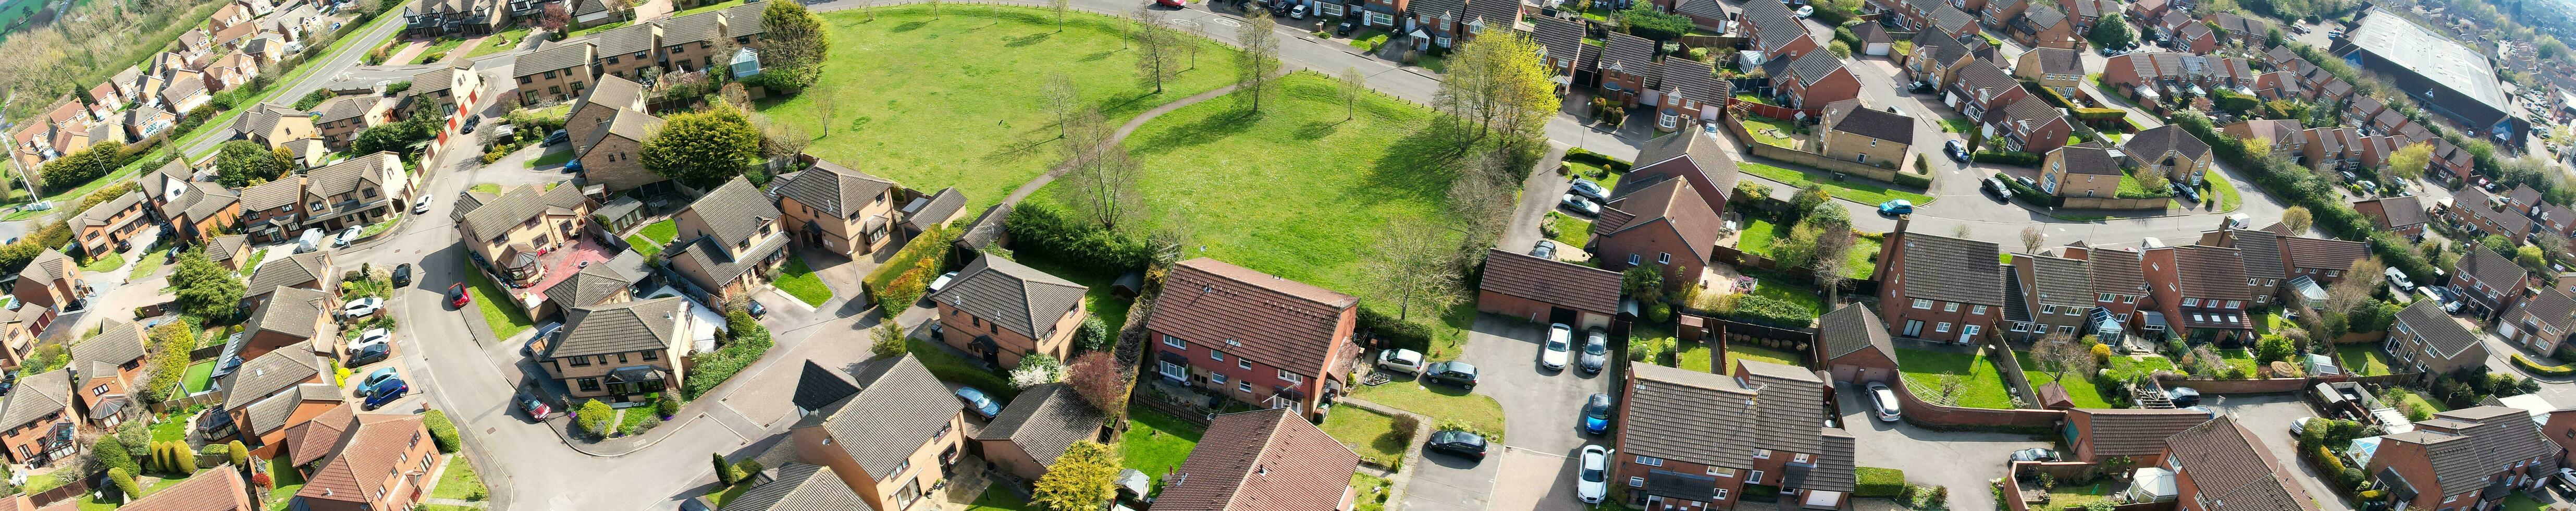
x,y
2099,114
2014,158
1764,310
2535,367
1039,229
707,370
442,431
2026,193
1614,164
903,279
1914,180
1878,482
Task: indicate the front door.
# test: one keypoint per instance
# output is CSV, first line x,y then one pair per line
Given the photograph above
x,y
1913,328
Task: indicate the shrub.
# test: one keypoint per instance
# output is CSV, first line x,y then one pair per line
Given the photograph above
x,y
596,416
640,426
111,453
902,280
240,454
1766,310
1406,334
750,467
668,406
442,431
1878,482
707,370
125,483
2527,365
1039,228
727,473
1095,335
1912,180
2014,158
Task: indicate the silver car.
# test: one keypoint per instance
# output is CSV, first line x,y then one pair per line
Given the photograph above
x,y
1400,360
1559,347
1882,403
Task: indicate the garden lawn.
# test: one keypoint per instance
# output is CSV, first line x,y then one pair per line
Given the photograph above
x,y
997,498
1779,287
1862,258
1373,492
2131,187
174,427
1752,98
144,266
1760,125
550,158
1957,125
460,482
2240,359
438,51
198,376
1571,232
504,319
799,280
2068,495
489,188
661,232
1439,402
1156,442
604,27
2228,200
2422,401
1111,308
2363,359
1371,434
1693,356
110,262
2079,388
2520,502
1985,383
643,247
1758,353
1846,190
504,41
972,117
707,7
1757,238
947,366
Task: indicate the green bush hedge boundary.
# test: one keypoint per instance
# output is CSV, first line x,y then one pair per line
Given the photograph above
x,y
2535,367
1878,482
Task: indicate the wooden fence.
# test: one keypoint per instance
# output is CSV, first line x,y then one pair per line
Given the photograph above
x,y
73,488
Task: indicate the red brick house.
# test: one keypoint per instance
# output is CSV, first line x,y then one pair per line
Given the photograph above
x,y
2265,266
1939,288
1663,224
380,466
2202,289
2464,459
1536,289
2402,214
2426,340
1005,311
1690,94
2485,281
2118,278
1262,460
2541,323
2485,214
1253,336
1693,440
2043,26
1980,87
2028,125
2220,466
1626,62
1691,155
887,429
37,422
1812,81
2093,434
52,280
1562,47
1855,346
1773,31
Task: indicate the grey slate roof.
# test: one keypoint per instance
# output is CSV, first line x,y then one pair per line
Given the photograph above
x,y
588,286
2495,271
1773,20
2231,466
942,207
611,90
2155,142
734,211
1710,419
898,406
628,124
798,487
269,374
1575,286
624,42
117,343
1849,116
2089,160
1814,67
1851,329
1560,38
1012,296
1701,148
2262,253
1950,269
35,396
1044,420
720,266
834,190
639,325
294,269
554,57
289,310
2059,281
516,206
1629,54
704,26
2059,61
1695,81
2468,446
744,20
2438,331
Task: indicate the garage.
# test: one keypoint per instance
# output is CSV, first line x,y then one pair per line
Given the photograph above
x,y
1536,289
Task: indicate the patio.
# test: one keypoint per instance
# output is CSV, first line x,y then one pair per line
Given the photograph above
x,y
550,268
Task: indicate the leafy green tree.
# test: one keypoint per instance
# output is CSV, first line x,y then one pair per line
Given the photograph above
x,y
241,163
2112,32
703,149
125,483
1083,478
184,461
596,416
1643,21
399,137
240,454
726,472
1644,283
112,454
206,289
2274,348
889,340
794,47
1809,198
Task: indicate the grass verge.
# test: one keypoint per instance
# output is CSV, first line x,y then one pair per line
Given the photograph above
x,y
800,281
1846,190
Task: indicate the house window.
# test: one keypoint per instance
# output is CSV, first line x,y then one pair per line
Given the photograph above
x,y
1219,378
1950,307
1663,258
589,384
1968,330
1941,327
1245,387
652,355
2020,326
1922,303
1634,259
2048,309
1216,355
2191,302
1754,477
1174,342
1635,482
911,490
2332,273
1657,462
1762,454
1977,310
580,361
1721,494
2128,298
1242,363
1802,458
1289,377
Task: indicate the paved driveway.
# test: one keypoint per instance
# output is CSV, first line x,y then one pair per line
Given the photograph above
x,y
1443,482
1960,460
1539,405
1538,481
2270,415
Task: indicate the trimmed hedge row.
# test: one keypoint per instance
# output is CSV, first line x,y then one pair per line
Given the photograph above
x,y
2014,158
1878,482
2535,367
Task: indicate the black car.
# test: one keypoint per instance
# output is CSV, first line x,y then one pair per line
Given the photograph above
x,y
757,310
373,353
402,274
1461,443
558,137
1347,26
470,123
1451,372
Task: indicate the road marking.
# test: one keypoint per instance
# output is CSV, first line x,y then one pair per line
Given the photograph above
x,y
1227,21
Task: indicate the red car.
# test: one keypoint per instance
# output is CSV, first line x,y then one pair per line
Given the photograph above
x,y
456,297
1176,4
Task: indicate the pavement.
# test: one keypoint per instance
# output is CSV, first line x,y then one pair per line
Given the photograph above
x,y
1963,461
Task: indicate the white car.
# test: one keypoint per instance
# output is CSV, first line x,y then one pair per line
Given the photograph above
x,y
1883,403
371,337
420,207
1560,346
1400,360
1592,482
942,281
363,307
346,236
2398,277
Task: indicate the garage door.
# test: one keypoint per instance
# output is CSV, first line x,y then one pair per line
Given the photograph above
x,y
1560,315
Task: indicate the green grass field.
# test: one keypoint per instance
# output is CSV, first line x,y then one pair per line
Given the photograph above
x,y
997,498
1757,238
459,482
1770,131
1985,383
2079,388
1571,232
2228,200
1157,442
957,101
1369,433
1748,351
499,311
109,262
1439,402
438,51
800,281
1846,190
1784,289
144,266
1693,356
947,366
661,232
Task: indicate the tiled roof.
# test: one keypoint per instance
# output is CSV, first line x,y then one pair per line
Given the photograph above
x,y
211,490
271,195
1710,419
588,286
2136,431
627,124
516,207
2088,160
817,387
2437,330
897,399
1260,460
1580,287
704,26
612,91
1704,153
2044,16
639,325
1814,67
293,270
1284,323
319,437
2229,465
554,57
719,266
2477,202
2155,142
104,211
2261,251
1012,296
832,189
2207,272
117,342
2059,61
2491,269
1711,9
2551,308
2468,447
365,463
744,20
1849,116
1949,269
1779,27
1673,201
2059,281
36,396
269,374
798,487
48,265
1045,420
2306,252
1559,38
734,212
624,41
1693,80
222,247
1629,54
943,206
1853,328
289,310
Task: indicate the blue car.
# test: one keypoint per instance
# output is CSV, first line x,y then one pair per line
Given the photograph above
x,y
386,392
374,379
1596,414
1896,207
977,401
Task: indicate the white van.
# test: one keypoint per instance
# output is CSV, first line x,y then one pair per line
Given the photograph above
x,y
310,241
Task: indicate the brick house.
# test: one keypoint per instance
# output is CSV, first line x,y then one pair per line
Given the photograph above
x,y
41,425
2168,150
799,486
2219,466
619,351
2484,214
2402,214
1663,224
1036,429
1939,288
291,319
889,430
1773,31
1934,16
2202,289
449,87
452,18
53,281
2080,171
1981,87
220,489
273,125
1697,157
2464,459
2320,259
509,229
230,251
729,241
1855,346
2266,268
610,157
2240,30
2426,340
2056,69
555,72
107,367
2028,125
1562,47
1690,94
1626,61
837,209
1203,333
593,108
2043,26
2487,282
266,394
2094,434
1937,59
357,192
380,466
1262,460
2056,293
339,119
2288,138
1856,133
625,52
2541,323
2154,75
1006,311
1536,289
1694,440
310,270
1812,80
109,225
1996,12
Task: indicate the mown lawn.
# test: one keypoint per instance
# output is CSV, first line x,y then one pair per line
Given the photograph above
x,y
973,116
947,366
1693,356
1439,402
438,51
1109,307
1985,383
707,7
1157,442
499,312
199,374
1757,237
1770,131
109,262
997,498
2079,388
2228,200
500,42
1847,190
144,266
1571,232
661,232
1748,351
1373,435
2363,359
459,482
799,280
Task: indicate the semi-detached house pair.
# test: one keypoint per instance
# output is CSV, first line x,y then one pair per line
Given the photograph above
x,y
1692,440
1253,336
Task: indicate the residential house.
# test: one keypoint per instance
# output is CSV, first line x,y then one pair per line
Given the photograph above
x,y
109,226
626,51
41,424
2320,259
2097,434
1262,460
1773,31
1981,87
2154,75
145,122
1697,157
2056,294
2219,466
1037,427
608,157
1302,345
1855,346
510,230
310,271
452,18
1691,93
2240,30
1535,289
106,368
339,119
291,319
2287,138
2484,214
1626,61
53,281
555,72
2541,323
2267,265
1562,48
729,241
594,107
1937,59
1662,221
285,379
2424,339
382,465
1812,80
2028,125
2043,26
2486,282
2204,290
2403,214
2195,38
889,430
2081,171
2086,12
1006,311
2168,150
1996,12
1434,22
1696,440
230,251
620,351
274,125
2056,69
357,192
1933,16
218,489
602,283
1874,39
795,486
1939,288
2469,458
1707,15
837,209
1856,133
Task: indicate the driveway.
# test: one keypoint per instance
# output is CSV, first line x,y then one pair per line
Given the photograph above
x,y
1962,461
1539,409
1443,482
2270,415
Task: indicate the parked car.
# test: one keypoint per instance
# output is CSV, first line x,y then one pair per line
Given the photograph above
x,y
536,408
942,282
402,274
371,337
1581,205
1806,11
420,207
2300,426
2567,475
375,378
1895,207
1400,360
310,241
1176,4
386,394
1592,482
981,404
2183,397
2398,277
1883,403
1956,151
346,236
456,296
370,355
470,123
172,255
1553,354
545,333
558,137
1590,190
1996,184
1596,350
363,307
1298,12
1347,26
1461,443
1451,372
1596,414
2034,454
1545,249
756,310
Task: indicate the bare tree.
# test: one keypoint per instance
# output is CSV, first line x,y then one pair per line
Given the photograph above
x,y
1259,38
1354,86
2060,353
1158,49
934,7
2358,284
1481,197
1063,101
783,141
1410,265
1104,186
2031,239
1198,37
826,102
1059,7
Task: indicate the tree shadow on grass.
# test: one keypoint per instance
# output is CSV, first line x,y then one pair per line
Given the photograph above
x,y
1418,166
1208,129
1318,130
1026,40
1099,56
909,26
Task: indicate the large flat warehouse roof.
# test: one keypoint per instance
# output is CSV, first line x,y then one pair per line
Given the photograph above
x,y
2439,59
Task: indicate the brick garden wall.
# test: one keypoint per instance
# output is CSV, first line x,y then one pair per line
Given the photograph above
x,y
2218,386
1925,413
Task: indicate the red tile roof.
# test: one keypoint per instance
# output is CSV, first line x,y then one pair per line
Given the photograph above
x,y
1285,323
364,463
212,490
1261,460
